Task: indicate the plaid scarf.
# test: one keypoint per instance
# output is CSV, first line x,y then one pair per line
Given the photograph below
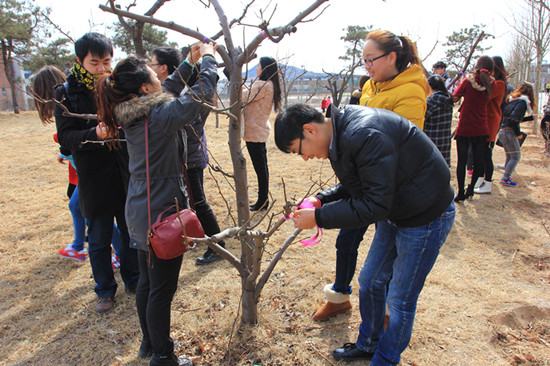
x,y
85,77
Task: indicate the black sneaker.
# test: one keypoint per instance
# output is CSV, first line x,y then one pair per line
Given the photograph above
x,y
350,352
170,360
209,257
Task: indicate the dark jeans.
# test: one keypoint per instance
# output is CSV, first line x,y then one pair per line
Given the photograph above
x,y
346,257
394,273
545,130
204,211
488,166
258,155
462,152
100,234
157,285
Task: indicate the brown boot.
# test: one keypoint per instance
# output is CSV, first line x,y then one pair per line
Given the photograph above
x,y
336,303
105,305
330,309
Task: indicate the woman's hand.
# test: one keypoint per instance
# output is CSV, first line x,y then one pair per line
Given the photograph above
x,y
194,54
208,49
101,131
304,218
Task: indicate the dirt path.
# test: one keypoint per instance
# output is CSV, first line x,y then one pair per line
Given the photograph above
x,y
486,302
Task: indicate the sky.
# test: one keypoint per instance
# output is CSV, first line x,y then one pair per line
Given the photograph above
x,y
316,45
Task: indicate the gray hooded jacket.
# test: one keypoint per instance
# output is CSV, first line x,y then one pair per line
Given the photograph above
x,y
167,145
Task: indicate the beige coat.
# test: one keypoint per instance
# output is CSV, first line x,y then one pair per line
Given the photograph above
x,y
256,113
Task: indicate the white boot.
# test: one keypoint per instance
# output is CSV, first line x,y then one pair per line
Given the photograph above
x,y
479,182
485,188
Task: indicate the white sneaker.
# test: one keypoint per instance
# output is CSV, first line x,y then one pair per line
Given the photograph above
x,y
479,182
484,188
501,166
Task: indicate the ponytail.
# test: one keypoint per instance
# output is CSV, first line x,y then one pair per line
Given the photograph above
x,y
484,69
122,84
408,56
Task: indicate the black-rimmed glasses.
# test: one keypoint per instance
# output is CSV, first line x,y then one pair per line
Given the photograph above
x,y
300,146
370,61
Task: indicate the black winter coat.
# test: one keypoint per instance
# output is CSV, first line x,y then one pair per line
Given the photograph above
x,y
513,114
387,168
102,174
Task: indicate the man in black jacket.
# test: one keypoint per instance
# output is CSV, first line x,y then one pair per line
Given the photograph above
x,y
102,173
391,174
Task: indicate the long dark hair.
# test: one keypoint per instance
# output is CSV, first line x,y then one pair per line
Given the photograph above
x,y
525,89
122,84
270,71
43,86
499,71
403,47
484,68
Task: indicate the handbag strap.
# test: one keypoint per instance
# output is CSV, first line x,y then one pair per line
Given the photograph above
x,y
148,187
147,170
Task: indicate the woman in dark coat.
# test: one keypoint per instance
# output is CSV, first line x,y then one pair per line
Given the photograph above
x,y
129,98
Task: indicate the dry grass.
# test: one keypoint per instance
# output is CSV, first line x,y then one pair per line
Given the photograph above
x,y
486,302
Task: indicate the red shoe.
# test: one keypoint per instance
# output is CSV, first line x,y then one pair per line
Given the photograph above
x,y
70,253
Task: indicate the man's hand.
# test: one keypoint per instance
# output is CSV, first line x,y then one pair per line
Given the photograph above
x,y
60,159
314,201
304,218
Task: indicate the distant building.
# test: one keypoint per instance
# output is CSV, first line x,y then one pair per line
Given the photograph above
x,y
6,102
544,74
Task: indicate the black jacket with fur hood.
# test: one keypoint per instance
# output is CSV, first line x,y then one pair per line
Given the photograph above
x,y
387,168
167,145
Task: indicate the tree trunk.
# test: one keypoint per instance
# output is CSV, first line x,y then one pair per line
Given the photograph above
x,y
249,305
13,96
535,129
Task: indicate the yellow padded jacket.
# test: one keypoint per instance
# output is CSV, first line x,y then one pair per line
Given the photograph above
x,y
405,95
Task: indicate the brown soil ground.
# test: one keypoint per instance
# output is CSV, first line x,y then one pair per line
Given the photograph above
x,y
486,302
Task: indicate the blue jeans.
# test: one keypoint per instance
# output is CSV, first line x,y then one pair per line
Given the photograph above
x,y
100,234
346,257
79,223
511,146
402,259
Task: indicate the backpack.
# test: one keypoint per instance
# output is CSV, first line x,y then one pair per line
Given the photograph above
x,y
73,98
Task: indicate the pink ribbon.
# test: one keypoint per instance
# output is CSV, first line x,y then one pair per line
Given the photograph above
x,y
315,239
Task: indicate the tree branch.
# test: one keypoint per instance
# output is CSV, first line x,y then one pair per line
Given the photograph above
x,y
265,276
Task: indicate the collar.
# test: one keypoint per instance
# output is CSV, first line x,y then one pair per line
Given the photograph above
x,y
139,107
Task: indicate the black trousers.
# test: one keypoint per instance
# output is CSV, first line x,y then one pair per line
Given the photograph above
x,y
478,149
204,211
258,155
488,166
156,288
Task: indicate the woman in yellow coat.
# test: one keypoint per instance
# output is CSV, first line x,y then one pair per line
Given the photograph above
x,y
397,82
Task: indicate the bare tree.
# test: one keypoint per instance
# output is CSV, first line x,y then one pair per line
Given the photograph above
x,y
252,240
519,59
534,26
135,29
290,75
